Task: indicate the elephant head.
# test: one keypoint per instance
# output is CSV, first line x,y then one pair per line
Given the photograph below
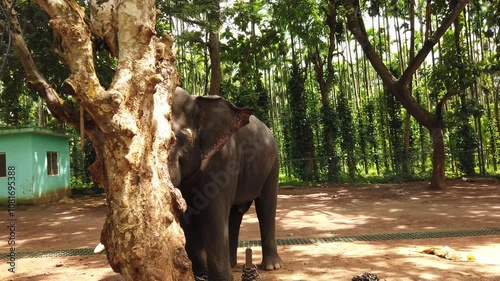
x,y
202,125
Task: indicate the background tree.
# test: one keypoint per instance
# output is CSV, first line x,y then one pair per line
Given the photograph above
x,y
302,147
399,87
206,16
256,61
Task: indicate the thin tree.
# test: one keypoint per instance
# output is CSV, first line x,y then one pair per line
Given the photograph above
x,y
323,68
207,16
406,154
214,48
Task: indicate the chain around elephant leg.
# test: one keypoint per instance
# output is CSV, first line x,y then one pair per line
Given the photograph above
x,y
201,278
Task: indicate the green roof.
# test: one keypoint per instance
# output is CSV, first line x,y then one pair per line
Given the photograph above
x,y
32,130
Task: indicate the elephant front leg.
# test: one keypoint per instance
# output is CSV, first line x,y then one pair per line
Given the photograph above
x,y
266,215
265,206
217,244
235,217
193,231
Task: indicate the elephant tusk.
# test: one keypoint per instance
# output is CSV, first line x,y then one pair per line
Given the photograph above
x,y
99,248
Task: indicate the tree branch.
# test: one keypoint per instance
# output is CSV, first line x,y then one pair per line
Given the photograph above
x,y
356,25
68,20
199,23
442,101
62,110
315,58
429,44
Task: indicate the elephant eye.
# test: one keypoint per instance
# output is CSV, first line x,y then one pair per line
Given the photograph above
x,y
184,135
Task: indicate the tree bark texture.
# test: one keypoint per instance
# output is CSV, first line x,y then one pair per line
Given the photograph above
x,y
214,49
128,124
438,178
406,155
215,68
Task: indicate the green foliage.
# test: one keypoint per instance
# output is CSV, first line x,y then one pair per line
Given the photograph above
x,y
300,132
359,122
252,94
19,105
15,104
329,121
396,132
446,76
194,11
301,18
262,109
362,135
77,182
80,161
464,137
459,73
347,133
244,13
370,132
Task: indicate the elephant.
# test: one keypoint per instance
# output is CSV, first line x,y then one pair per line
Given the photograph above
x,y
222,160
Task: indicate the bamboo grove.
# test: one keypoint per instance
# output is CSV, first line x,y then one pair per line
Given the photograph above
x,y
299,65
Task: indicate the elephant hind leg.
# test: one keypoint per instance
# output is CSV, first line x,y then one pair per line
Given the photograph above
x,y
265,206
235,217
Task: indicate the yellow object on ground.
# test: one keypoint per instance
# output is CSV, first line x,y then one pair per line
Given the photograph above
x,y
447,253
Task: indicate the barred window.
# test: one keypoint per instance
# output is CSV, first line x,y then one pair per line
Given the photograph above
x,y
3,165
52,163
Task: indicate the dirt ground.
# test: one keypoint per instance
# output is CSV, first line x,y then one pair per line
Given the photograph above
x,y
317,211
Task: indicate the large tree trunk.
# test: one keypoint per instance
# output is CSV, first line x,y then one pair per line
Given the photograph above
x,y
128,125
406,155
438,179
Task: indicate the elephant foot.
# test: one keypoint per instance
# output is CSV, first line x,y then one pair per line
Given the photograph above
x,y
271,262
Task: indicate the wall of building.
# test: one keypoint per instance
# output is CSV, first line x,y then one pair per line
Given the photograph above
x,y
45,185
27,152
18,153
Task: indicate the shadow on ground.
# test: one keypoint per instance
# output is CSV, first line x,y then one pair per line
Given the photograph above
x,y
329,210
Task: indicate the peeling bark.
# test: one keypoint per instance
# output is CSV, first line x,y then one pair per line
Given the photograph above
x,y
129,126
104,24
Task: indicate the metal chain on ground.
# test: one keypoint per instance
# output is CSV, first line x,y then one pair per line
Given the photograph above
x,y
366,277
249,269
250,274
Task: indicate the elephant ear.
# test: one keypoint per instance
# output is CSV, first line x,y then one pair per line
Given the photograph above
x,y
218,120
